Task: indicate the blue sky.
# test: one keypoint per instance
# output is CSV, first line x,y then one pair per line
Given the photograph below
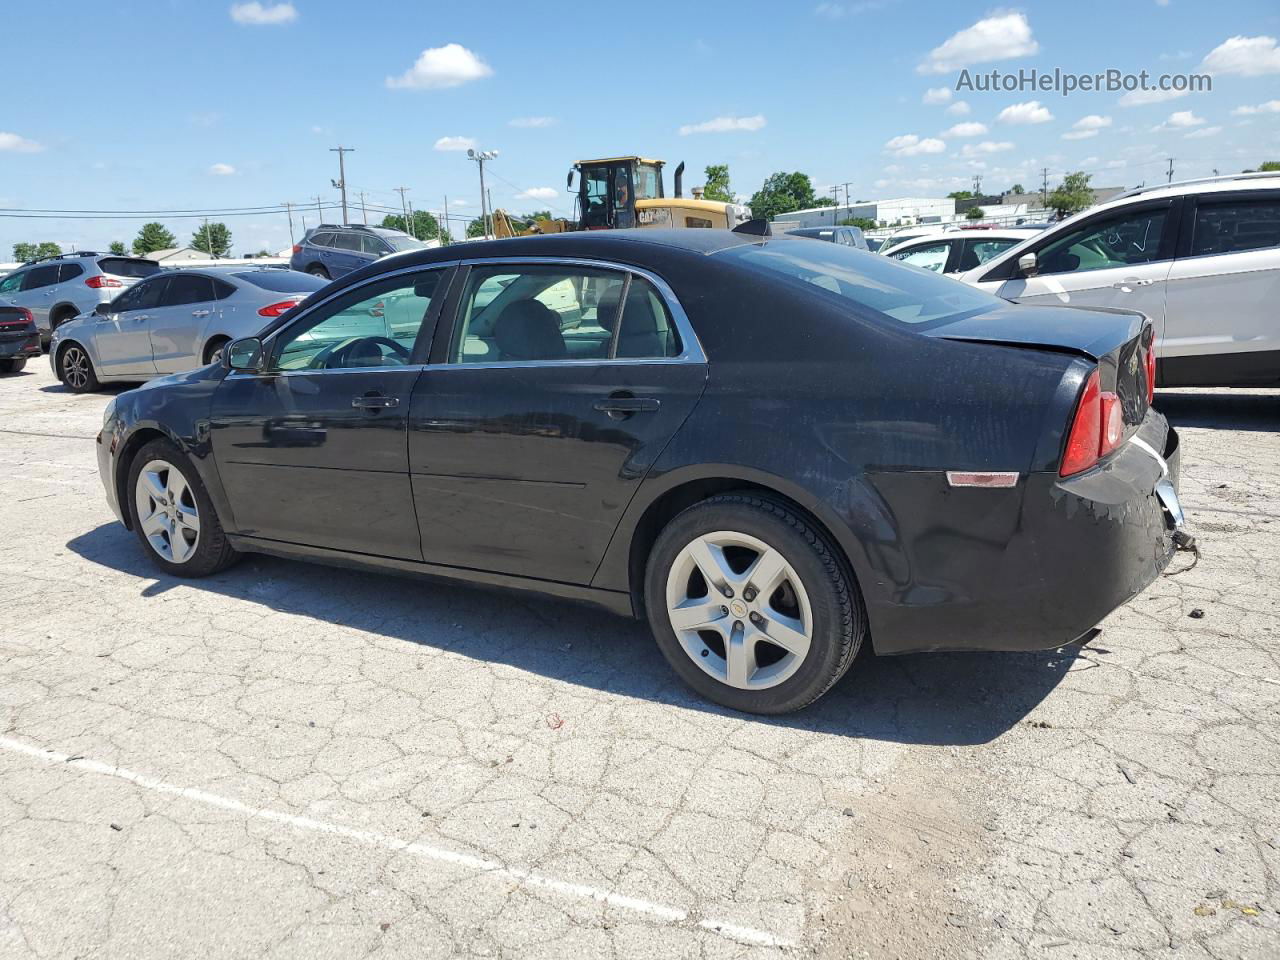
x,y
178,104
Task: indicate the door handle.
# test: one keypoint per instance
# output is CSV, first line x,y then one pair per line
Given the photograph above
x,y
200,313
141,318
1131,282
374,402
619,406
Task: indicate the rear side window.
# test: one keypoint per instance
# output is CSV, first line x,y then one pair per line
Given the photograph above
x,y
346,241
222,289
645,329
187,288
1235,226
41,277
321,240
128,267
69,271
282,281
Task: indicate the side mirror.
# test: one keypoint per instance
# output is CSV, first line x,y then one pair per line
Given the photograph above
x,y
244,355
568,182
1027,265
102,310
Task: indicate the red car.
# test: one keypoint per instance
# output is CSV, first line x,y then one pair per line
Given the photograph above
x,y
19,338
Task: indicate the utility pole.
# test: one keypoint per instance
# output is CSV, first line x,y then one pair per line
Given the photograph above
x,y
977,186
835,203
446,218
364,214
289,210
412,231
341,182
1044,187
208,240
848,203
403,208
1170,180
319,210
480,156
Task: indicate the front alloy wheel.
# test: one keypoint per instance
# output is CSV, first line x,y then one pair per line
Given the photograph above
x,y
77,369
167,511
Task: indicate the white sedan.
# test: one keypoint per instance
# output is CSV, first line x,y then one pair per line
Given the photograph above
x,y
959,250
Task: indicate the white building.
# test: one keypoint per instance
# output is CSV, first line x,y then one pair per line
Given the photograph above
x,y
883,212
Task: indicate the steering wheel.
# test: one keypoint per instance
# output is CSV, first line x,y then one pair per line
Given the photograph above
x,y
336,356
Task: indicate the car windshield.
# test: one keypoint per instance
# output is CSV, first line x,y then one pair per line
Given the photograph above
x,y
402,242
282,281
889,288
128,267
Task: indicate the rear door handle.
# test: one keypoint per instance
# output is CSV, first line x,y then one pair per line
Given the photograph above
x,y
620,407
374,402
200,313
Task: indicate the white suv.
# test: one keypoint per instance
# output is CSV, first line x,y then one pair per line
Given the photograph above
x,y
1200,258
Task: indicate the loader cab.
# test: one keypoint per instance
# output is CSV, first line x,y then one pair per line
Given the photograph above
x,y
608,189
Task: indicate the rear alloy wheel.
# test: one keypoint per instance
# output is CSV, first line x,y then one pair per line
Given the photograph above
x,y
172,513
751,606
76,369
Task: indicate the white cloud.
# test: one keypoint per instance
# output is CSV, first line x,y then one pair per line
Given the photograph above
x,y
257,15
1203,132
439,67
455,143
1140,98
1247,56
959,109
910,145
935,95
1079,134
531,122
1029,112
724,125
12,143
970,129
546,194
222,170
985,147
998,37
1087,127
1271,106
1181,119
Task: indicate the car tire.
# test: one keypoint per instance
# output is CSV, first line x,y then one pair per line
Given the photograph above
x,y
12,366
172,514
213,350
318,271
61,317
75,369
813,604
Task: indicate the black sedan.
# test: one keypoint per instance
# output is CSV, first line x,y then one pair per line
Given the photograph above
x,y
19,338
774,449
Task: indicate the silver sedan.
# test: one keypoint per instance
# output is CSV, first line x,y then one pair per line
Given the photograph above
x,y
174,321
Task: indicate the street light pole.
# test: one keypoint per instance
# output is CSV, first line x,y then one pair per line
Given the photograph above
x,y
341,182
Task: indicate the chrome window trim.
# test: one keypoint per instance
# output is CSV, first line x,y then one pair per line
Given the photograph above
x,y
690,347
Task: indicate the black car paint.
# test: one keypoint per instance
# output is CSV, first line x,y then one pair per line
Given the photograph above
x,y
19,336
853,419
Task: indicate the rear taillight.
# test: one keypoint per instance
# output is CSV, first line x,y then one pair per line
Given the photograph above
x,y
1096,429
297,248
1150,363
99,281
275,309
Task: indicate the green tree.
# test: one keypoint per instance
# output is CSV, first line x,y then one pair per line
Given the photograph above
x,y
475,228
1017,188
117,246
975,213
213,238
962,195
47,248
717,186
22,252
784,192
864,223
1269,166
425,226
1072,195
153,236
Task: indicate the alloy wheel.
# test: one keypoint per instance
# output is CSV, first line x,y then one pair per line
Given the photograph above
x,y
739,610
75,368
167,511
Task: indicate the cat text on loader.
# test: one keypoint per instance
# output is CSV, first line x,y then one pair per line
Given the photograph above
x,y
620,192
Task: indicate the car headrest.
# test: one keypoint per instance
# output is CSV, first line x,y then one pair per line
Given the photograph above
x,y
529,330
607,306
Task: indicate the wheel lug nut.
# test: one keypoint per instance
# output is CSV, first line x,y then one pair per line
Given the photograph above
x,y
749,594
724,609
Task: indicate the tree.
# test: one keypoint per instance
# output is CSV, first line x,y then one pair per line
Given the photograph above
x,y
425,226
475,228
717,185
117,246
213,238
864,223
975,213
1072,195
962,195
1017,188
22,252
1269,166
47,248
783,193
153,236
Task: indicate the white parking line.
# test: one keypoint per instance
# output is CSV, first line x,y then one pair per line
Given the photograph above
x,y
659,911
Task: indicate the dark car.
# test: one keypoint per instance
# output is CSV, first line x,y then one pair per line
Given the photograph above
x,y
846,236
332,251
19,338
773,449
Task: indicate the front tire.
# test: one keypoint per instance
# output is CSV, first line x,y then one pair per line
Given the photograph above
x,y
318,271
11,365
173,515
751,605
75,369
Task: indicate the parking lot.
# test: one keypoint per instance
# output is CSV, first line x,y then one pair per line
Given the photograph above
x,y
287,760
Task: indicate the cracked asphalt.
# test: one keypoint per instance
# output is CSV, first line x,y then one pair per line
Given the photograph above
x,y
293,761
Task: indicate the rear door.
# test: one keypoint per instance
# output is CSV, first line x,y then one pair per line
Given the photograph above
x,y
178,320
347,256
538,417
1223,327
37,292
122,338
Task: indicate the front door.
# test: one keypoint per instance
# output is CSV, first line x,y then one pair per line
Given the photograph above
x,y
312,450
1116,259
122,338
541,414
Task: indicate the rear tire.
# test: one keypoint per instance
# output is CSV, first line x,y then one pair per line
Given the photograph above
x,y
172,514
12,366
318,271
61,317
75,369
782,624
213,350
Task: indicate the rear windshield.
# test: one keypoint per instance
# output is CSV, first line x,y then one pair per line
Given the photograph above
x,y
128,267
403,242
282,281
892,289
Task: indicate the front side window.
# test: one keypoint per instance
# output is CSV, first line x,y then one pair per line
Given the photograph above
x,y
1235,226
375,325
977,252
1126,240
647,182
12,283
932,256
141,296
595,196
373,245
